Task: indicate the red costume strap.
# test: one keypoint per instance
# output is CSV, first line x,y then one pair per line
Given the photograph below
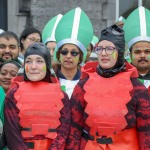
x,y
38,144
126,140
39,104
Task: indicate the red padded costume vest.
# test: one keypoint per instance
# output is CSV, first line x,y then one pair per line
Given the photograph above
x,y
106,108
39,107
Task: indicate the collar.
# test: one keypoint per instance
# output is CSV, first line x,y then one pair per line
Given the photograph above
x,y
76,77
145,77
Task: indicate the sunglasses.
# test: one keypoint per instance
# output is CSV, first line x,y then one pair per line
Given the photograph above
x,y
65,52
108,50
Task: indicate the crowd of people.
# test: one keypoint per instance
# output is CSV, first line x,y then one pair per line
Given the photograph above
x,y
53,97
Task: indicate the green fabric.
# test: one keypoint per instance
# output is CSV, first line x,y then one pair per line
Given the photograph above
x,y
94,40
137,26
75,28
63,88
141,80
48,33
2,98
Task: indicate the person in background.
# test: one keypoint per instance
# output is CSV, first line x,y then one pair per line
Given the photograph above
x,y
137,36
73,34
8,70
116,116
29,36
91,47
48,34
9,47
35,106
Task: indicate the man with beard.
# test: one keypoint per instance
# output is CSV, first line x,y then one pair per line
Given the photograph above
x,y
137,35
9,47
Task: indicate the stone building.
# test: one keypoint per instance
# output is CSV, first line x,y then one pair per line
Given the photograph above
x,y
15,15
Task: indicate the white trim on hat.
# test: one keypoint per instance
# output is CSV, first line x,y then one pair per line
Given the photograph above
x,y
72,41
76,23
50,39
142,18
138,39
75,42
55,25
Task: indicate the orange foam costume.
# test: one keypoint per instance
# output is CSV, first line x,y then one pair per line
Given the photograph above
x,y
39,112
106,109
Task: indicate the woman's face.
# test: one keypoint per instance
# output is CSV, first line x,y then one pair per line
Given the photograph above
x,y
7,72
69,56
107,54
35,68
30,39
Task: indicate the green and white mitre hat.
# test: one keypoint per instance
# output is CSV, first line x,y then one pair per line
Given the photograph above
x,y
75,28
48,33
94,41
137,26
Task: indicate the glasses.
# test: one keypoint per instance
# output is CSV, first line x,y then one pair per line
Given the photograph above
x,y
33,40
65,52
108,50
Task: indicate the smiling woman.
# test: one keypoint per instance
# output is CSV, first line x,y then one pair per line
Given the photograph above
x,y
33,105
35,67
8,70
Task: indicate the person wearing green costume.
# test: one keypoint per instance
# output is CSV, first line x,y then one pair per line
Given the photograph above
x,y
73,34
137,36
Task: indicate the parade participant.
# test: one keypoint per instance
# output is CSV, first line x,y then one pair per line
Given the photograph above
x,y
137,36
73,34
90,48
29,36
9,47
33,106
117,114
8,70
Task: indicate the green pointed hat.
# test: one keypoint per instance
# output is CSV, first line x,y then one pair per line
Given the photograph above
x,y
48,33
75,28
94,40
137,26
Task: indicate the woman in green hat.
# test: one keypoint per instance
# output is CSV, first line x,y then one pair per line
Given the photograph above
x,y
73,34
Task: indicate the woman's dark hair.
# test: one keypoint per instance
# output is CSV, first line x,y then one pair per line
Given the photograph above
x,y
10,62
26,32
8,34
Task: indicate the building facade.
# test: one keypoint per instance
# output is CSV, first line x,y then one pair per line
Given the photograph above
x,y
15,15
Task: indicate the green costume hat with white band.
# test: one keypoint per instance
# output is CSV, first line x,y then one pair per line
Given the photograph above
x,y
74,28
137,26
94,40
48,33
